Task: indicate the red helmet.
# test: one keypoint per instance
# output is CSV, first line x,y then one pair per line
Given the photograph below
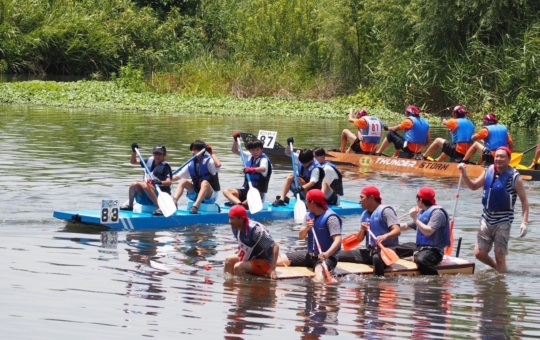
x,y
361,113
490,119
459,111
412,110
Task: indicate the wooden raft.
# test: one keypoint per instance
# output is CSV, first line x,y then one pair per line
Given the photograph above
x,y
449,266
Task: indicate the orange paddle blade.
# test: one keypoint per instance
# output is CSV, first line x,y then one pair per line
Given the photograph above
x,y
350,241
329,277
388,255
448,250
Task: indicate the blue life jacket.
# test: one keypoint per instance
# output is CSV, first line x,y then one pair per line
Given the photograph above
x,y
246,238
257,179
323,234
464,131
203,174
371,128
162,172
418,132
441,237
496,197
377,227
305,173
497,137
337,184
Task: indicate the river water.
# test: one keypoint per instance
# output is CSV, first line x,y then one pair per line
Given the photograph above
x,y
60,281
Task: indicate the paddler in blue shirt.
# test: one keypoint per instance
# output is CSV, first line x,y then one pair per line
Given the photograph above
x,y
327,225
257,251
383,223
416,135
494,136
145,192
432,226
203,171
259,168
310,175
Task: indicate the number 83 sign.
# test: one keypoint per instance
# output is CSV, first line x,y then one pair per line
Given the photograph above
x,y
109,211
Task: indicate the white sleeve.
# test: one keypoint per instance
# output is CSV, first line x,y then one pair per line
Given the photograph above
x,y
314,175
184,173
329,174
212,167
264,163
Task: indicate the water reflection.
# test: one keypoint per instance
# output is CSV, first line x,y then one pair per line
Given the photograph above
x,y
376,309
431,309
320,311
255,300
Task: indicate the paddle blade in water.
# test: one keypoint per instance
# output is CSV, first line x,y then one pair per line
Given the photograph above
x,y
388,255
329,277
166,203
350,241
299,210
254,200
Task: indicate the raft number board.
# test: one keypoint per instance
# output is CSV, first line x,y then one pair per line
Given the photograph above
x,y
268,138
109,211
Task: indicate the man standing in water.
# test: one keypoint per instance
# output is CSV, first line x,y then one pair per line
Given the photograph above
x,y
502,185
257,251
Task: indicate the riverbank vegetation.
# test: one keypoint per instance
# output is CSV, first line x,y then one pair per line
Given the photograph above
x,y
481,54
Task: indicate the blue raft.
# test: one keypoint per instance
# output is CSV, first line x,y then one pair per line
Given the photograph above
x,y
146,221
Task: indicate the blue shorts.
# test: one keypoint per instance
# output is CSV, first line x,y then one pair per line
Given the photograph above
x,y
193,197
143,199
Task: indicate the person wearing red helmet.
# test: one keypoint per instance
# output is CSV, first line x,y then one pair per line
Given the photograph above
x,y
432,225
494,135
326,224
368,136
383,223
461,129
502,185
257,251
416,134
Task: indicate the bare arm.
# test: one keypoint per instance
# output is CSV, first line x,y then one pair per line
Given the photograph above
x,y
275,256
234,147
305,229
335,245
395,231
216,160
134,159
476,183
351,115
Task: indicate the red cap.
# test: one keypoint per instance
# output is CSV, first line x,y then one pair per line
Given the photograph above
x,y
505,149
238,211
412,110
361,113
370,190
490,119
427,193
317,196
459,111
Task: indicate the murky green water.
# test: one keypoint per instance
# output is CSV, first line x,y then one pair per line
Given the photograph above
x,y
61,282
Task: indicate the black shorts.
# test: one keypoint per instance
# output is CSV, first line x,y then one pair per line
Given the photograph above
x,y
333,199
398,142
487,156
450,149
242,194
304,259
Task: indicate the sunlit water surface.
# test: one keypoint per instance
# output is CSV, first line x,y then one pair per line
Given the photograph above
x,y
60,281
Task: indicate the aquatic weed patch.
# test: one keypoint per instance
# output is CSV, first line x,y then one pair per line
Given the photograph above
x,y
107,95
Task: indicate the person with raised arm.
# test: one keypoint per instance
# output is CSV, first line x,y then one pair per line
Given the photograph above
x,y
144,192
502,185
366,138
203,172
259,168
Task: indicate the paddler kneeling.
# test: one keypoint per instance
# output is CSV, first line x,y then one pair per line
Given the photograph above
x,y
257,251
323,248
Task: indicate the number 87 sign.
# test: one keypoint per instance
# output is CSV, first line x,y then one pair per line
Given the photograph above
x,y
109,211
268,138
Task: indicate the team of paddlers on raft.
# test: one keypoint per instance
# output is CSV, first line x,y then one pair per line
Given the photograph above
x,y
320,183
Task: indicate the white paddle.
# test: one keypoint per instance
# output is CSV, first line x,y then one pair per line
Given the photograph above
x,y
165,201
299,207
253,195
